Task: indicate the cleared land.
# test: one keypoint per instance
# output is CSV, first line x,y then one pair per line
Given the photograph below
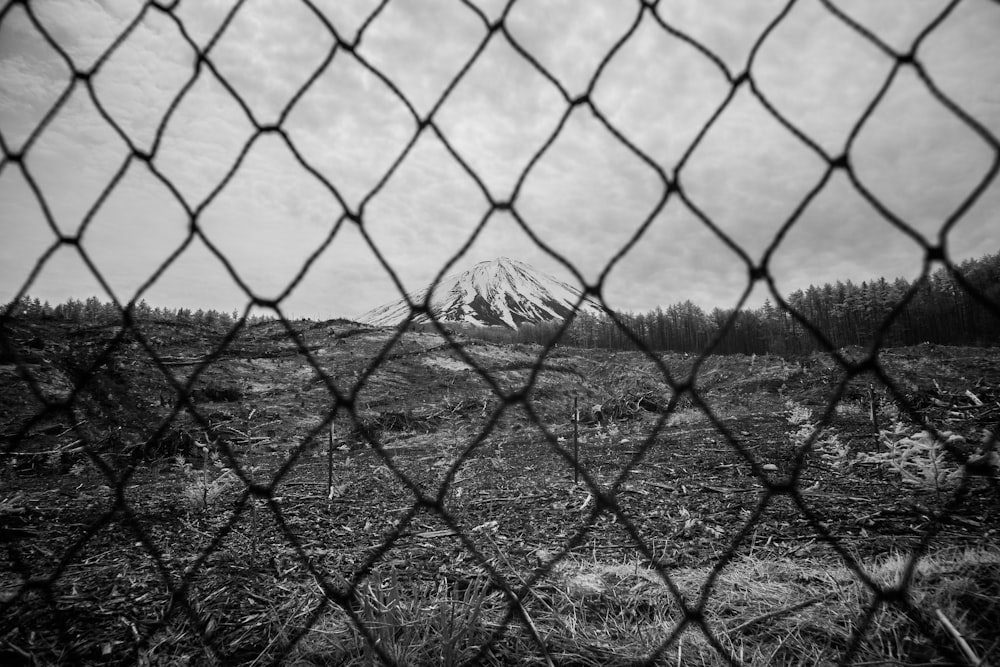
x,y
444,524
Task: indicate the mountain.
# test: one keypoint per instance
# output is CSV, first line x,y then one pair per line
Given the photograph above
x,y
502,292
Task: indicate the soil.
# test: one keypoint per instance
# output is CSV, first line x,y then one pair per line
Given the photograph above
x,y
183,483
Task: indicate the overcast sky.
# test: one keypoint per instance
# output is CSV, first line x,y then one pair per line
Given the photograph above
x,y
585,197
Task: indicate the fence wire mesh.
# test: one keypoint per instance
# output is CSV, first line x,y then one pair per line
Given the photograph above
x,y
43,621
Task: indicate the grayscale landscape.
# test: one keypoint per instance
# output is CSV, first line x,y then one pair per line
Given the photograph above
x,y
499,332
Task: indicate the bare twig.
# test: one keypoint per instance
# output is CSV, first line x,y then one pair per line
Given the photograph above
x,y
777,612
516,601
967,651
329,463
281,632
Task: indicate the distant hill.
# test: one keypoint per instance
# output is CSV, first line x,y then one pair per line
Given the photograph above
x,y
502,292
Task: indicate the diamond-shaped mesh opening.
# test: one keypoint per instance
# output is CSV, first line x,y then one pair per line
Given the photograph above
x,y
151,40
190,130
367,145
228,486
519,118
260,45
53,161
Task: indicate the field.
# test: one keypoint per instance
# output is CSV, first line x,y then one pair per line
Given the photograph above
x,y
434,514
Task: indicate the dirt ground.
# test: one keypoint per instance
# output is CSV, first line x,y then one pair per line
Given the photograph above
x,y
138,526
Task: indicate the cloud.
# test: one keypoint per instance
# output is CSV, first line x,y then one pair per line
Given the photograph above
x,y
27,235
501,113
32,77
75,159
491,8
350,127
570,42
203,19
269,51
961,57
134,231
820,74
976,232
345,280
896,22
196,279
427,210
347,17
420,47
86,29
586,196
202,140
729,31
917,157
269,218
749,173
659,91
137,84
841,236
677,258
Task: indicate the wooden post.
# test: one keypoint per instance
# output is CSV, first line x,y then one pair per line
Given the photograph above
x,y
873,411
576,446
329,464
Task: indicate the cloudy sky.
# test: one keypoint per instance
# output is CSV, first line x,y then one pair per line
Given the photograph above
x,y
585,197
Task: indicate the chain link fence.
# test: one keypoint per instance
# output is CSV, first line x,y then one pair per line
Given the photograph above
x,y
44,621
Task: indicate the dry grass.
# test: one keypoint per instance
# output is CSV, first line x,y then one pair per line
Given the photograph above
x,y
758,612
766,612
406,623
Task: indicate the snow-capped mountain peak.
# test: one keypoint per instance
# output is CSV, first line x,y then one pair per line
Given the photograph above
x,y
502,292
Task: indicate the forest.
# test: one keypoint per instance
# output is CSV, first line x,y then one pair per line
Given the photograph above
x,y
93,311
937,308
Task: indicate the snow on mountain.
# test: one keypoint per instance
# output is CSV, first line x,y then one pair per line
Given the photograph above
x,y
502,292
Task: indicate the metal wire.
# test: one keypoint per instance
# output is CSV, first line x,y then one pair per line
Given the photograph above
x,y
340,589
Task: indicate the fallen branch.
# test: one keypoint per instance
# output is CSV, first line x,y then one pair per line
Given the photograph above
x,y
813,495
508,499
69,448
970,655
972,397
723,490
777,612
666,487
183,361
447,532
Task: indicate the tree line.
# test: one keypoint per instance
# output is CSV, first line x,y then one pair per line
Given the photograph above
x,y
93,311
939,311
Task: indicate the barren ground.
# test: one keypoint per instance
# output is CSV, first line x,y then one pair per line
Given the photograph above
x,y
125,538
